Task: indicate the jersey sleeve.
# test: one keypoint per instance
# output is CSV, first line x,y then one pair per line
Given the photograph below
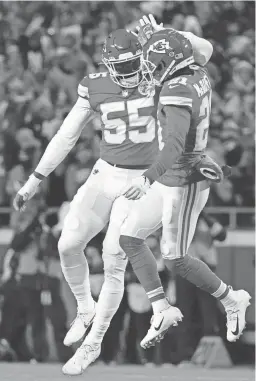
x,y
83,89
202,48
65,139
176,94
177,108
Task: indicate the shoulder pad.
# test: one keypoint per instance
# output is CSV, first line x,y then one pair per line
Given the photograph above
x,y
98,75
83,88
86,83
177,92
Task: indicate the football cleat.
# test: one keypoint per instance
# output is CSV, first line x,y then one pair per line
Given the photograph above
x,y
160,323
84,356
79,326
236,315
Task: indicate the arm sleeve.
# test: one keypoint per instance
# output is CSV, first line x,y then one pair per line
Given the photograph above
x,y
202,48
65,139
178,122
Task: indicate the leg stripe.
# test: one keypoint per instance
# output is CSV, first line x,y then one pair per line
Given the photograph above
x,y
194,193
184,220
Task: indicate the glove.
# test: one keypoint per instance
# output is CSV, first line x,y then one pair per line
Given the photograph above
x,y
26,193
209,169
148,26
137,188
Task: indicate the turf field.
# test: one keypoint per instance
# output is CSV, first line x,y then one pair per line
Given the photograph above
x,y
50,372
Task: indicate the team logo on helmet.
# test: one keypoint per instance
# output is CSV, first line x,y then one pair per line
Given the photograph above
x,y
160,46
167,52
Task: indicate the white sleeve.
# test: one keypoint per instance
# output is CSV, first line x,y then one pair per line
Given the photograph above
x,y
202,48
67,136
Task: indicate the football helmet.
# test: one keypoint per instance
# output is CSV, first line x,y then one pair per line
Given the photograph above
x,y
166,52
123,56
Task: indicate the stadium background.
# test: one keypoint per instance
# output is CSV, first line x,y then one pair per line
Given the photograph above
x,y
45,50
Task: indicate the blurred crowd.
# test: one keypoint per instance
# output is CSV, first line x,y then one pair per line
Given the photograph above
x,y
47,47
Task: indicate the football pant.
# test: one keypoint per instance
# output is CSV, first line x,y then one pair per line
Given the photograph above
x,y
176,209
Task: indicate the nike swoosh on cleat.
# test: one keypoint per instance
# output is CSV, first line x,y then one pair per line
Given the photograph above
x,y
236,331
160,324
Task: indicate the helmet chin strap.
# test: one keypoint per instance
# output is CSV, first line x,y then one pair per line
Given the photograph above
x,y
132,80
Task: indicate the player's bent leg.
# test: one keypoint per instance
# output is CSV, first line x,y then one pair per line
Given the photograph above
x,y
144,218
178,234
88,214
108,303
115,263
111,294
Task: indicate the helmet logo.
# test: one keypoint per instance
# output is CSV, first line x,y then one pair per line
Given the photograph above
x,y
160,46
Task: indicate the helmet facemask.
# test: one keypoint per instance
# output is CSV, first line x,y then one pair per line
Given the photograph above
x,y
130,72
126,72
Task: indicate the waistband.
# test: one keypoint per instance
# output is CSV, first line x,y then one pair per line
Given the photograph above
x,y
129,166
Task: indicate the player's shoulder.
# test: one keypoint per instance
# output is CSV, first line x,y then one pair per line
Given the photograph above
x,y
92,83
183,89
177,91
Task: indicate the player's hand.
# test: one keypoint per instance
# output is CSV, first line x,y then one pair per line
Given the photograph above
x,y
149,20
137,188
26,193
210,169
147,27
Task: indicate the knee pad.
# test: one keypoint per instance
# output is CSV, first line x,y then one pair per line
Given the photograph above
x,y
114,268
69,247
111,246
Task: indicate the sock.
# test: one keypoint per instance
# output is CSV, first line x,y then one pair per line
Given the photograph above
x,y
110,297
108,303
145,268
160,304
225,295
76,272
198,273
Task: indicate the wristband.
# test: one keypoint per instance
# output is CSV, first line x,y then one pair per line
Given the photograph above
x,y
39,176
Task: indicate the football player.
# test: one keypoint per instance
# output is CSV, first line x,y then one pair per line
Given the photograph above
x,y
127,104
175,188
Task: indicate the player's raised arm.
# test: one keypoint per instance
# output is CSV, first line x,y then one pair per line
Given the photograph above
x,y
58,148
202,49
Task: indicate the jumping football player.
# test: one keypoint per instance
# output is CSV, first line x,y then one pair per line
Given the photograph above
x,y
127,105
175,188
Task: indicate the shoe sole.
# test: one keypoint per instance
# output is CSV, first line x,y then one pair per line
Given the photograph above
x,y
246,305
82,369
160,337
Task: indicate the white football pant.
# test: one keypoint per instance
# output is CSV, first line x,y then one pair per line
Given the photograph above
x,y
176,209
96,203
